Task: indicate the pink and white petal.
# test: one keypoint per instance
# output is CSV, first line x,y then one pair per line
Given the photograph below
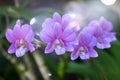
x,y
84,56
73,25
10,36
74,55
99,45
107,45
20,52
84,38
45,37
57,29
103,44
93,41
49,48
66,19
26,28
57,17
29,36
48,23
12,49
18,23
60,51
69,47
111,36
70,37
93,53
18,32
31,47
106,25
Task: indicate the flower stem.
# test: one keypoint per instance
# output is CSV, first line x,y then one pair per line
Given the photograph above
x,y
41,66
16,3
61,68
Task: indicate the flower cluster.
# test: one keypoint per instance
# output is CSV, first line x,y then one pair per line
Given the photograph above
x,y
61,34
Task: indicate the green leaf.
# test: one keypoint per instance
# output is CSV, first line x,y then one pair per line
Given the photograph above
x,y
79,68
107,65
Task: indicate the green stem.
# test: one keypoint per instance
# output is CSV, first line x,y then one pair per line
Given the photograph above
x,y
30,72
16,3
61,68
41,66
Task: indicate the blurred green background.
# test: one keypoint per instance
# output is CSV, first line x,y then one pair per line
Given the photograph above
x,y
37,65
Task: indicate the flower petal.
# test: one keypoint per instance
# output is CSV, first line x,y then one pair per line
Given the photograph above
x,y
93,53
74,55
46,36
69,47
26,28
84,56
110,36
31,47
20,52
66,19
103,44
106,25
12,49
57,30
49,48
48,23
70,37
57,17
29,36
10,36
18,32
60,51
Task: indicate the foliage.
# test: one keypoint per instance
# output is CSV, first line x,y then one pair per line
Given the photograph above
x,y
105,67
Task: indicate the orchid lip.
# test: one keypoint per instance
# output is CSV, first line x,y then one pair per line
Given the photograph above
x,y
81,50
57,44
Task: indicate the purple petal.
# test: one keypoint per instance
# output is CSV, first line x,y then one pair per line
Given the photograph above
x,y
110,36
74,55
49,48
20,52
103,44
66,19
48,23
11,49
31,47
94,28
84,56
69,47
46,36
10,36
106,25
60,51
93,53
57,17
57,29
93,41
70,37
99,45
74,25
18,32
26,28
18,24
29,36
85,39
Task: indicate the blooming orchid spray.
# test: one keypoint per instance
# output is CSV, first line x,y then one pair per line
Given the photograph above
x,y
60,34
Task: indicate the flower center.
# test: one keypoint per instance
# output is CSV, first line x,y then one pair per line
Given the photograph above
x,y
57,44
21,43
81,50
